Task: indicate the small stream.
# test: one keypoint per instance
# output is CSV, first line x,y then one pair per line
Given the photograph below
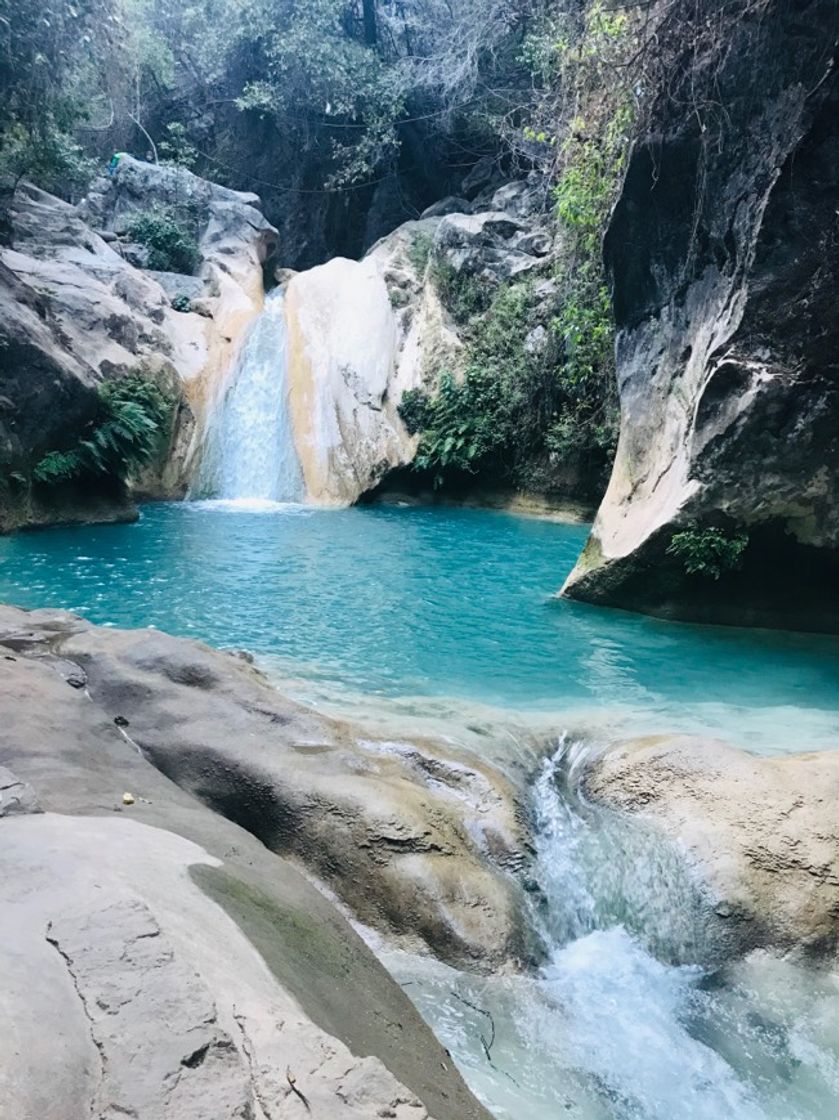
x,y
444,621
622,1022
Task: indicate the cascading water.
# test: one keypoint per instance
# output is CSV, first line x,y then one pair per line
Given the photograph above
x,y
627,1018
250,453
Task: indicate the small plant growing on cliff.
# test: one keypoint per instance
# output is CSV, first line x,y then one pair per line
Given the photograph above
x,y
167,237
176,148
125,433
414,410
181,302
462,295
420,251
708,552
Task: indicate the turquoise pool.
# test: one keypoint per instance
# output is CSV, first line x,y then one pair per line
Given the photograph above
x,y
420,603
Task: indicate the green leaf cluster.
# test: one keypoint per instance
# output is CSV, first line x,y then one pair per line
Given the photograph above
x,y
176,149
49,51
126,432
708,552
419,251
494,417
462,294
171,244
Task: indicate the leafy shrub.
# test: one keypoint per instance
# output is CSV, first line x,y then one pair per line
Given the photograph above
x,y
171,245
464,296
464,423
414,410
181,302
176,148
50,157
515,405
708,552
126,432
496,414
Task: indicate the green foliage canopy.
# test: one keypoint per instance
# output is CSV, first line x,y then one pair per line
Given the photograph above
x,y
171,245
708,552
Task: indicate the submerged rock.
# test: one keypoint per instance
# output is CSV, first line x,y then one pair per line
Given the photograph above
x,y
416,841
158,960
724,266
761,833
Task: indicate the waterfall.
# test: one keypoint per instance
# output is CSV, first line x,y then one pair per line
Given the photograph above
x,y
599,870
250,453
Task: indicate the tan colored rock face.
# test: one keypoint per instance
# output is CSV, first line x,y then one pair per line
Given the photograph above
x,y
75,312
157,958
360,335
342,353
762,834
417,841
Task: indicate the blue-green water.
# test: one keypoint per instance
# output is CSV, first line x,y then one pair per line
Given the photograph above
x,y
450,616
436,603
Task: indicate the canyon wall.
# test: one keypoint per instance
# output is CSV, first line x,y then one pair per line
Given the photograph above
x,y
78,309
723,252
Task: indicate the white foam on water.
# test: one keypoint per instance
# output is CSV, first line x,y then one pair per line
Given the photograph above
x,y
249,505
620,1022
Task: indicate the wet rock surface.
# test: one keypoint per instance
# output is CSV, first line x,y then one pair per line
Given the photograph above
x,y
760,833
418,842
159,961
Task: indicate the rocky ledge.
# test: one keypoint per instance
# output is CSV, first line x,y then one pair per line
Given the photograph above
x,y
78,308
159,960
417,842
760,834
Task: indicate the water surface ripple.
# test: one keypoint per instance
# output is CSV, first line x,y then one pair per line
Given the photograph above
x,y
429,603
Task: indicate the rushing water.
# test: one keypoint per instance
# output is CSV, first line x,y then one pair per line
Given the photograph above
x,y
448,618
250,451
606,1030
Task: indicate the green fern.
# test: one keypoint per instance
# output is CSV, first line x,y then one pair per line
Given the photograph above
x,y
124,434
57,467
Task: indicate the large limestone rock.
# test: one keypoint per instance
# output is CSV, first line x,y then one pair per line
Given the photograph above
x,y
724,270
342,390
761,834
75,312
159,961
234,241
362,333
417,842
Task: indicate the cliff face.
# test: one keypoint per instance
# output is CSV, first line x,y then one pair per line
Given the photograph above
x,y
723,252
362,333
75,312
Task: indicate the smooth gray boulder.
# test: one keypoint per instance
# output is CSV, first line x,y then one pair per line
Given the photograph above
x,y
418,841
158,960
16,797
